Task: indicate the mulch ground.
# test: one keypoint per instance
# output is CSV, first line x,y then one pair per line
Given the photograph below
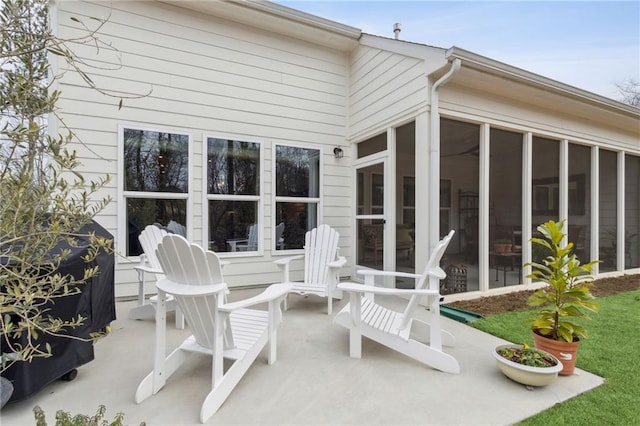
x,y
517,301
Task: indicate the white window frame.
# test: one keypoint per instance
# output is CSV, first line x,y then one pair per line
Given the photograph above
x,y
122,195
206,197
282,199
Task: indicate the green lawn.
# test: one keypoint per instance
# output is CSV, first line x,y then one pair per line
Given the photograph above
x,y
612,351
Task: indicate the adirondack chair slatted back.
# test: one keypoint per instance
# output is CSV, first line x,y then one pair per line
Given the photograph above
x,y
252,243
320,248
278,237
149,239
433,266
190,264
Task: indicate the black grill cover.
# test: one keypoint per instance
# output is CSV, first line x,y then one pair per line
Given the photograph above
x,y
95,303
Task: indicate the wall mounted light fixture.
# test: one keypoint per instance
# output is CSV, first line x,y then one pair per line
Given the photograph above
x,y
338,152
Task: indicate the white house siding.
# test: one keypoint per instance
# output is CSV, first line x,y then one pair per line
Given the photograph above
x,y
384,87
518,107
209,76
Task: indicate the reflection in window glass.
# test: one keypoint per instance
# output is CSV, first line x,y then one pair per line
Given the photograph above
x,y
298,218
230,225
170,215
233,167
156,183
297,194
632,212
233,187
297,172
155,161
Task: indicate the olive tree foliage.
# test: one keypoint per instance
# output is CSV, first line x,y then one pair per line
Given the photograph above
x,y
44,200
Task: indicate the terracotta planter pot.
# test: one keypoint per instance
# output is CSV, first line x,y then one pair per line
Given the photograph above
x,y
566,352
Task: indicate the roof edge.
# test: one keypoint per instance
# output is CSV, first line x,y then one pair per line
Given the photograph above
x,y
483,62
302,17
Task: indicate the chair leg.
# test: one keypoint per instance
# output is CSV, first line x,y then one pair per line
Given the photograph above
x,y
355,328
329,304
179,318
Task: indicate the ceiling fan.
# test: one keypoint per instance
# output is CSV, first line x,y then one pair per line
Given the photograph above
x,y
474,150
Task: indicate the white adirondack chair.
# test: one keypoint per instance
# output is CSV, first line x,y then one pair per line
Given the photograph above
x,y
278,238
321,265
222,330
248,244
177,228
363,317
149,239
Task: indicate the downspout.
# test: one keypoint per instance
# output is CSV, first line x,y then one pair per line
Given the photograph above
x,y
434,155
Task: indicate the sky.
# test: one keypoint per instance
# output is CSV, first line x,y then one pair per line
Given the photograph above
x,y
591,45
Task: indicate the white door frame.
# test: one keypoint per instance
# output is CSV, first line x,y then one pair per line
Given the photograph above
x,y
388,213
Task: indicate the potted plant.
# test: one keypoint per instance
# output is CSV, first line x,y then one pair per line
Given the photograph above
x,y
527,365
564,303
502,245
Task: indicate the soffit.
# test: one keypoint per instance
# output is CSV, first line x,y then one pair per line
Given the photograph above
x,y
279,19
548,97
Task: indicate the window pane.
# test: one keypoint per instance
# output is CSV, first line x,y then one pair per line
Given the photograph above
x,y
373,145
168,214
233,167
297,172
230,225
579,229
546,178
505,212
298,218
155,161
608,210
460,167
632,211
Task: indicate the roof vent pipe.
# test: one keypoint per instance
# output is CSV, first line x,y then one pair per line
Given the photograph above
x,y
396,30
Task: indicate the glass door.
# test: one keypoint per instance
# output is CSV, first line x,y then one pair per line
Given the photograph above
x,y
370,215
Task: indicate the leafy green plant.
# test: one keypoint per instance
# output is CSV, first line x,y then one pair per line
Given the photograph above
x,y
64,418
567,296
527,355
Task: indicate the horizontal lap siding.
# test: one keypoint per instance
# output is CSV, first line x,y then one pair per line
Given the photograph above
x,y
198,75
383,86
520,114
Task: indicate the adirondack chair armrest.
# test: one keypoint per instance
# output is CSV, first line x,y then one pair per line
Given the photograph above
x,y
284,265
287,260
361,288
190,290
149,269
339,263
438,273
373,272
273,292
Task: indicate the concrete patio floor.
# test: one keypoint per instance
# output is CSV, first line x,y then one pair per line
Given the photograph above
x,y
313,382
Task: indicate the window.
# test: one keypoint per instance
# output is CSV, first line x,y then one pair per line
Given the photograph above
x,y
297,194
233,195
155,183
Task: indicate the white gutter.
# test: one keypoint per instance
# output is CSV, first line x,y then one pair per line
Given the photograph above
x,y
434,155
499,68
